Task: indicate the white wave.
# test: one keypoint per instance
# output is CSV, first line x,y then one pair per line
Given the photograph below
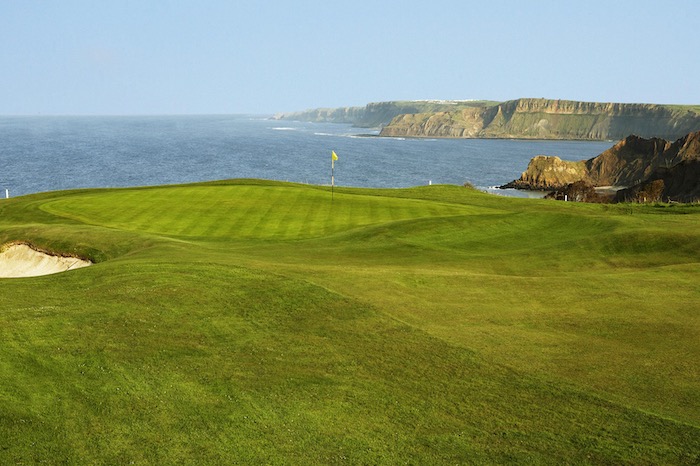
x,y
284,128
341,135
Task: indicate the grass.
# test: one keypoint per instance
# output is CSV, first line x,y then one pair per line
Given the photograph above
x,y
259,322
684,108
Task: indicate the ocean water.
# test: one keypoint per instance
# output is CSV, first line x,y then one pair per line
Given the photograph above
x,y
47,153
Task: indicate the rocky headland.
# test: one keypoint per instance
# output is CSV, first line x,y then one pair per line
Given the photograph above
x,y
635,164
379,114
514,119
549,119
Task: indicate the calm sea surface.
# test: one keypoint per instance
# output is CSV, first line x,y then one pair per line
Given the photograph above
x,y
55,153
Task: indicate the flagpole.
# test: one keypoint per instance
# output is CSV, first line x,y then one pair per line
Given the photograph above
x,y
334,157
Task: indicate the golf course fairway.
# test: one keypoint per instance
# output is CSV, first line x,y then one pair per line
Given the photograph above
x,y
261,322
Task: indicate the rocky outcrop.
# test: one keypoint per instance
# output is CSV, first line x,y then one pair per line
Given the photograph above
x,y
631,161
634,159
680,183
550,172
549,119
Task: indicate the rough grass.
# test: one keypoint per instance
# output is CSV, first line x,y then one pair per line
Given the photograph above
x,y
256,322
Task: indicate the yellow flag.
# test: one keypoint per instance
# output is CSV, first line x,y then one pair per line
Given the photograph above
x,y
334,156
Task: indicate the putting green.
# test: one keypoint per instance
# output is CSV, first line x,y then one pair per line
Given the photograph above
x,y
264,212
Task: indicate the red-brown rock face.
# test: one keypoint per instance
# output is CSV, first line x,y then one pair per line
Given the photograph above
x,y
627,163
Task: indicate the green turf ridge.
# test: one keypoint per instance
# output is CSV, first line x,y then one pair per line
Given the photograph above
x,y
247,321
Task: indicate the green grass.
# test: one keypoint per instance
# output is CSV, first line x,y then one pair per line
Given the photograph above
x,y
254,212
259,322
684,108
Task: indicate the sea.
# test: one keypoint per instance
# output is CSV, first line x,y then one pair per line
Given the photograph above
x,y
49,153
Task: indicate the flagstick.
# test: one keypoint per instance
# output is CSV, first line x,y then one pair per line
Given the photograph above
x,y
334,157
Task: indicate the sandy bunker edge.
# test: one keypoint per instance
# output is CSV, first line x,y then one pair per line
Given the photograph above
x,y
21,259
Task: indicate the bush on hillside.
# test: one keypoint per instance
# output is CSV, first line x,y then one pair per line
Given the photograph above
x,y
579,191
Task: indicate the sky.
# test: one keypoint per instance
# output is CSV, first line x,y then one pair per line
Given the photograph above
x,y
122,57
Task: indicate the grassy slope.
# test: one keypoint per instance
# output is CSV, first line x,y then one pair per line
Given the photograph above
x,y
259,322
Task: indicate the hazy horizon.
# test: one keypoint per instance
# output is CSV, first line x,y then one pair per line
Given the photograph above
x,y
217,57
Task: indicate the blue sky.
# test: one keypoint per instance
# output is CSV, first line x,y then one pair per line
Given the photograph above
x,y
238,56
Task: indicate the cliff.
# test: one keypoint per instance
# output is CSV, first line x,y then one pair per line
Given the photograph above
x,y
550,172
379,114
549,119
680,183
331,115
629,162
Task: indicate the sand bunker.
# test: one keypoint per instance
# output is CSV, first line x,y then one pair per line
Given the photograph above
x,y
20,260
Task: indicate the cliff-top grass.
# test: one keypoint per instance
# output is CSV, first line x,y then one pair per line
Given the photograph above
x,y
260,322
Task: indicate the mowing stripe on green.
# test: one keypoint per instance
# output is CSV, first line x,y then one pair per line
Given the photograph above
x,y
264,212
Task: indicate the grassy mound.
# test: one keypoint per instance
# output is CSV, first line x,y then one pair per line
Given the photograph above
x,y
259,322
